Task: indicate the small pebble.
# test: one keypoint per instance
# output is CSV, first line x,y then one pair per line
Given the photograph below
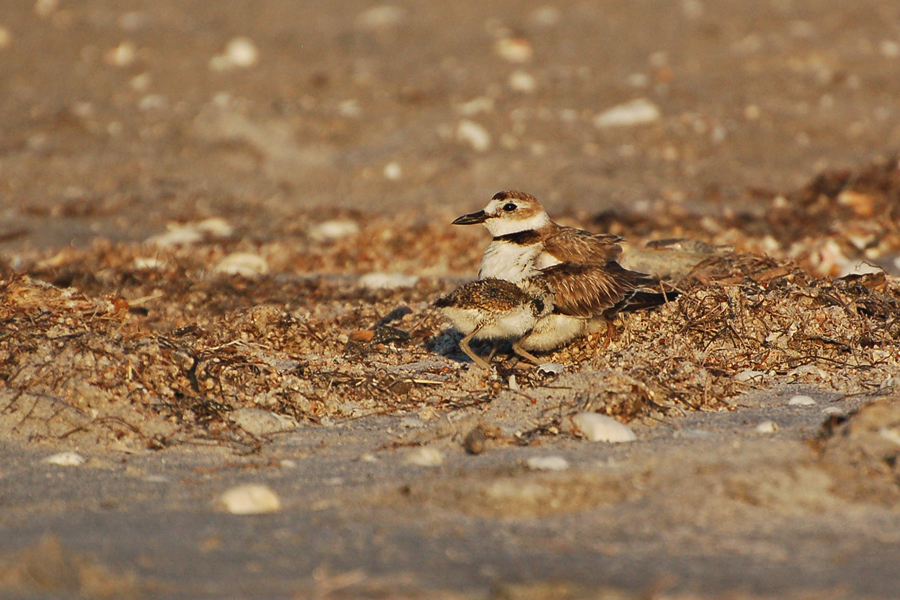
x,y
153,102
600,428
473,134
474,442
66,459
333,230
393,171
122,55
749,375
191,233
140,83
801,401
148,263
692,9
5,38
380,17
547,463
550,369
520,81
250,499
767,427
387,281
482,104
546,16
350,109
258,421
45,8
243,264
637,112
216,227
514,50
176,236
239,53
424,457
889,49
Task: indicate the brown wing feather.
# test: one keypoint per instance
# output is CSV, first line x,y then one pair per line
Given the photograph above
x,y
570,245
588,290
490,294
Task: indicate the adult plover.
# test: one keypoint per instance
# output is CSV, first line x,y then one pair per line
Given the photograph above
x,y
497,310
526,240
579,268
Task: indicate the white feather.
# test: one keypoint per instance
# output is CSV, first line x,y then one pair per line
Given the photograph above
x,y
508,261
505,223
553,331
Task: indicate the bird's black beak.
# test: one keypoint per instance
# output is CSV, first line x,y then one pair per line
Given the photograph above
x,y
471,218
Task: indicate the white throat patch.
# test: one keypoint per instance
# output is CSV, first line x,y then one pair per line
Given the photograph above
x,y
504,225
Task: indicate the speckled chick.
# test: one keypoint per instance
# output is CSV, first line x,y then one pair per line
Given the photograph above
x,y
493,309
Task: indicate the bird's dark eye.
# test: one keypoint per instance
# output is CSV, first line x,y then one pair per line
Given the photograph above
x,y
509,207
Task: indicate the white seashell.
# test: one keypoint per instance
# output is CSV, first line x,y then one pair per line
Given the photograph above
x,y
424,457
482,104
393,171
240,53
801,401
637,112
514,50
148,263
350,109
767,426
546,16
550,368
122,55
216,227
547,463
521,81
889,48
250,499
242,263
380,17
749,375
473,134
153,102
257,421
177,235
333,230
66,459
891,435
692,9
387,281
600,428
45,8
860,268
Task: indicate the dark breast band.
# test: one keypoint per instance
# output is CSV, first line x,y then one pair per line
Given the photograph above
x,y
520,238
